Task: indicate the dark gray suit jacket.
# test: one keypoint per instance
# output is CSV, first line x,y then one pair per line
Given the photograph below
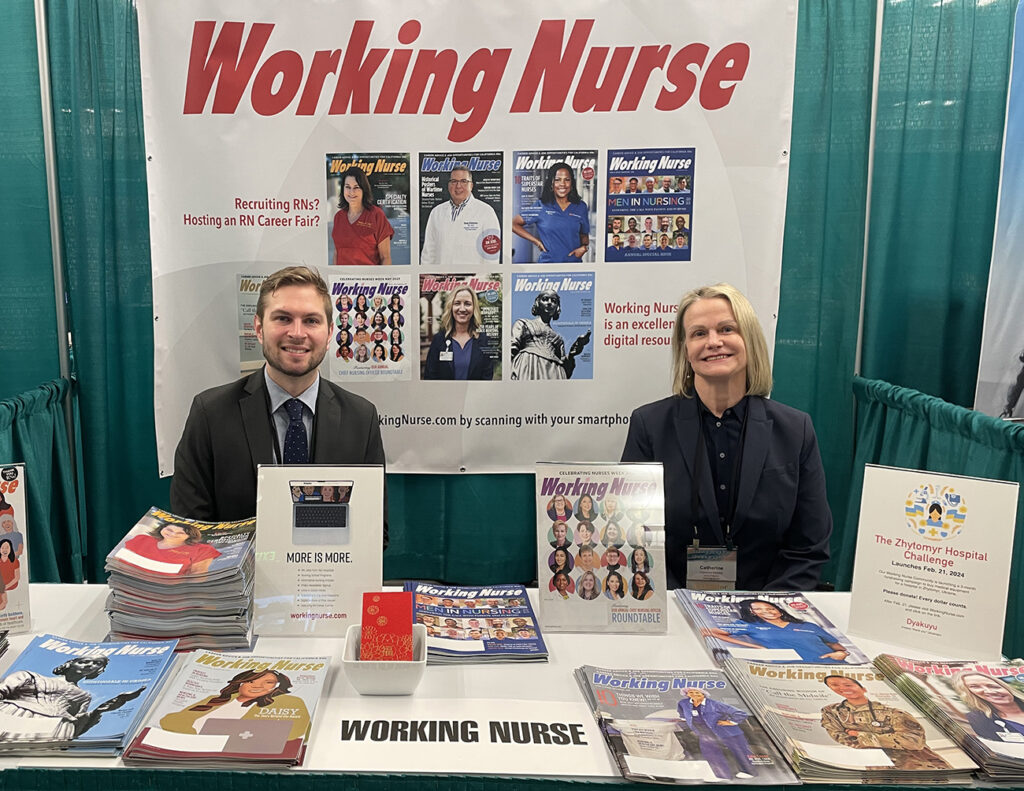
x,y
229,432
783,522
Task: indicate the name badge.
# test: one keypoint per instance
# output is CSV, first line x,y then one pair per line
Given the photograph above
x,y
446,357
710,568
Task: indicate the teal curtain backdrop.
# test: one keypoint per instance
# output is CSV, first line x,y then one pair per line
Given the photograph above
x,y
823,246
28,318
943,78
938,144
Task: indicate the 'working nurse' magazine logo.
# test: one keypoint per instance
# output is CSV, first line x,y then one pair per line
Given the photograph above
x,y
936,513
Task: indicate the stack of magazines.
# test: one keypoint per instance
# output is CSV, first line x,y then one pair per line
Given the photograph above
x,y
172,577
233,711
766,627
88,698
493,623
847,725
979,704
680,726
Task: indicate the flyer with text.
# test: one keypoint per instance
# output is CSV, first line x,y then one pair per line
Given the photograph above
x,y
318,546
933,561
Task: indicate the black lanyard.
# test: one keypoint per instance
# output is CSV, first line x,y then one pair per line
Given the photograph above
x,y
700,456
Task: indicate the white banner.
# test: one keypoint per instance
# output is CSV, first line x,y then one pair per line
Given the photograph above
x,y
671,120
1001,368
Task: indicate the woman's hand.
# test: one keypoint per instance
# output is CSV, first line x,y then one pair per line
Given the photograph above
x,y
579,252
839,656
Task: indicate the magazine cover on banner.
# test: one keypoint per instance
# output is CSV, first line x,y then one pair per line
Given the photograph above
x,y
250,353
547,110
460,208
649,205
14,596
932,568
372,317
554,206
371,195
601,547
552,326
454,305
320,547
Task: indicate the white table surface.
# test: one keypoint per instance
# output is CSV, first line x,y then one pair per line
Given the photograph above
x,y
76,612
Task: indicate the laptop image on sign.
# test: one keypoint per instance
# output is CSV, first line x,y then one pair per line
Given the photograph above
x,y
259,737
320,511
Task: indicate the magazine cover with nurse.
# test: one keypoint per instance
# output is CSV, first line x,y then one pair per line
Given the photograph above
x,y
601,547
234,706
766,627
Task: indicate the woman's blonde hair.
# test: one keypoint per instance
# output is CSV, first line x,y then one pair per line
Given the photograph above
x,y
475,321
977,703
759,370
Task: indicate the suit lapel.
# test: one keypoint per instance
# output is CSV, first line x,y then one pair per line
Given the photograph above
x,y
755,451
687,428
256,421
328,418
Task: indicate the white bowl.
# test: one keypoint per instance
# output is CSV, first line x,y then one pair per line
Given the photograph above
x,y
385,677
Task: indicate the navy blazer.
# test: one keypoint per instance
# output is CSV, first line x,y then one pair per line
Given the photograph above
x,y
229,432
481,367
782,523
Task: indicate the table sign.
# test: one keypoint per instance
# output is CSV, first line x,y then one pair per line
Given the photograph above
x,y
933,561
462,736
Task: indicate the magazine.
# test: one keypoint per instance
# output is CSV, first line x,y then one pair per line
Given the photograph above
x,y
372,331
173,550
172,577
89,697
543,231
846,724
552,326
490,623
766,627
680,726
649,204
460,208
979,704
438,294
250,350
387,175
601,547
14,565
233,710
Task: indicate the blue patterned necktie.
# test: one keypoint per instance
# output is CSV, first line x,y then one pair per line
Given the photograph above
x,y
296,446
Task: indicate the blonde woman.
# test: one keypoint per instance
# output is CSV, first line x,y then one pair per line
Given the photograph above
x,y
460,349
738,467
996,708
